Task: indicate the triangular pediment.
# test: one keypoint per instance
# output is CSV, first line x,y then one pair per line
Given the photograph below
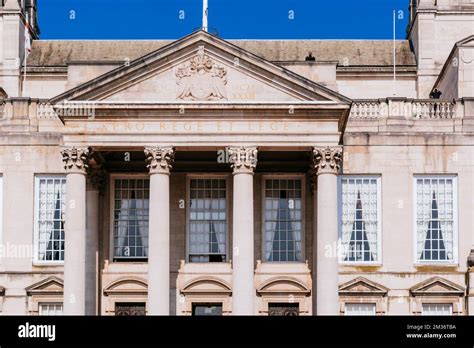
x,y
362,286
50,285
468,41
437,286
201,68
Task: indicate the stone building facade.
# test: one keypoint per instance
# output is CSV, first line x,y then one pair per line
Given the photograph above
x,y
206,176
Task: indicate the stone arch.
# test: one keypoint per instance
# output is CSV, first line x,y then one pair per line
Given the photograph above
x,y
206,285
127,286
286,285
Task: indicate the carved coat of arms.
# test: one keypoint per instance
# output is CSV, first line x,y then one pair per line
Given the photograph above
x,y
201,79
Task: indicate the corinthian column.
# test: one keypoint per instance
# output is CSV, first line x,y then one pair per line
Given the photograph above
x,y
326,164
159,162
75,162
243,161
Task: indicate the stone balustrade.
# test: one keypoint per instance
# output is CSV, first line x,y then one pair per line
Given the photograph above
x,y
410,109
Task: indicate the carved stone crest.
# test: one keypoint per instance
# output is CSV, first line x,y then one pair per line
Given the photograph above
x,y
201,79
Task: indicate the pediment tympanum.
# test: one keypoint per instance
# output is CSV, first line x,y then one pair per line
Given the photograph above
x,y
437,286
362,286
48,286
200,68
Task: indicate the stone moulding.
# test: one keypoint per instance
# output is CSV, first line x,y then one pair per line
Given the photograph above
x,y
362,287
206,285
437,286
127,286
275,286
48,286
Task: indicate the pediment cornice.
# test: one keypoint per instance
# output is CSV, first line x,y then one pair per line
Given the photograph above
x,y
203,67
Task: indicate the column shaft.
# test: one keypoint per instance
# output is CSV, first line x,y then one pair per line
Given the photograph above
x,y
244,161
92,250
75,231
159,162
327,262
326,165
159,246
243,257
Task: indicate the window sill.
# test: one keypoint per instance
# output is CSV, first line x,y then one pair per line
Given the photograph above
x,y
130,261
48,263
435,265
284,262
361,264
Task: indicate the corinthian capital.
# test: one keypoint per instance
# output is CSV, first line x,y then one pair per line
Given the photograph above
x,y
243,159
159,159
327,160
75,159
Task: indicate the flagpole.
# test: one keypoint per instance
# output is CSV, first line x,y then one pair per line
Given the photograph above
x,y
394,54
204,15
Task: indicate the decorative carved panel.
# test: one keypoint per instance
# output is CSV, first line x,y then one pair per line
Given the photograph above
x,y
130,309
201,78
283,309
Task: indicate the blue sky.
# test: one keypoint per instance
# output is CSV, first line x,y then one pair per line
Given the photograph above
x,y
233,19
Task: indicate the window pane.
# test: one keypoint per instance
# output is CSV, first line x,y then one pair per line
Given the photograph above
x,y
437,309
360,309
207,220
131,211
283,220
435,219
359,220
50,208
47,309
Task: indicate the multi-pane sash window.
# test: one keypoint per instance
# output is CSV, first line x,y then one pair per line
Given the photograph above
x,y
360,309
360,225
283,220
435,219
49,213
207,220
50,309
437,309
131,211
